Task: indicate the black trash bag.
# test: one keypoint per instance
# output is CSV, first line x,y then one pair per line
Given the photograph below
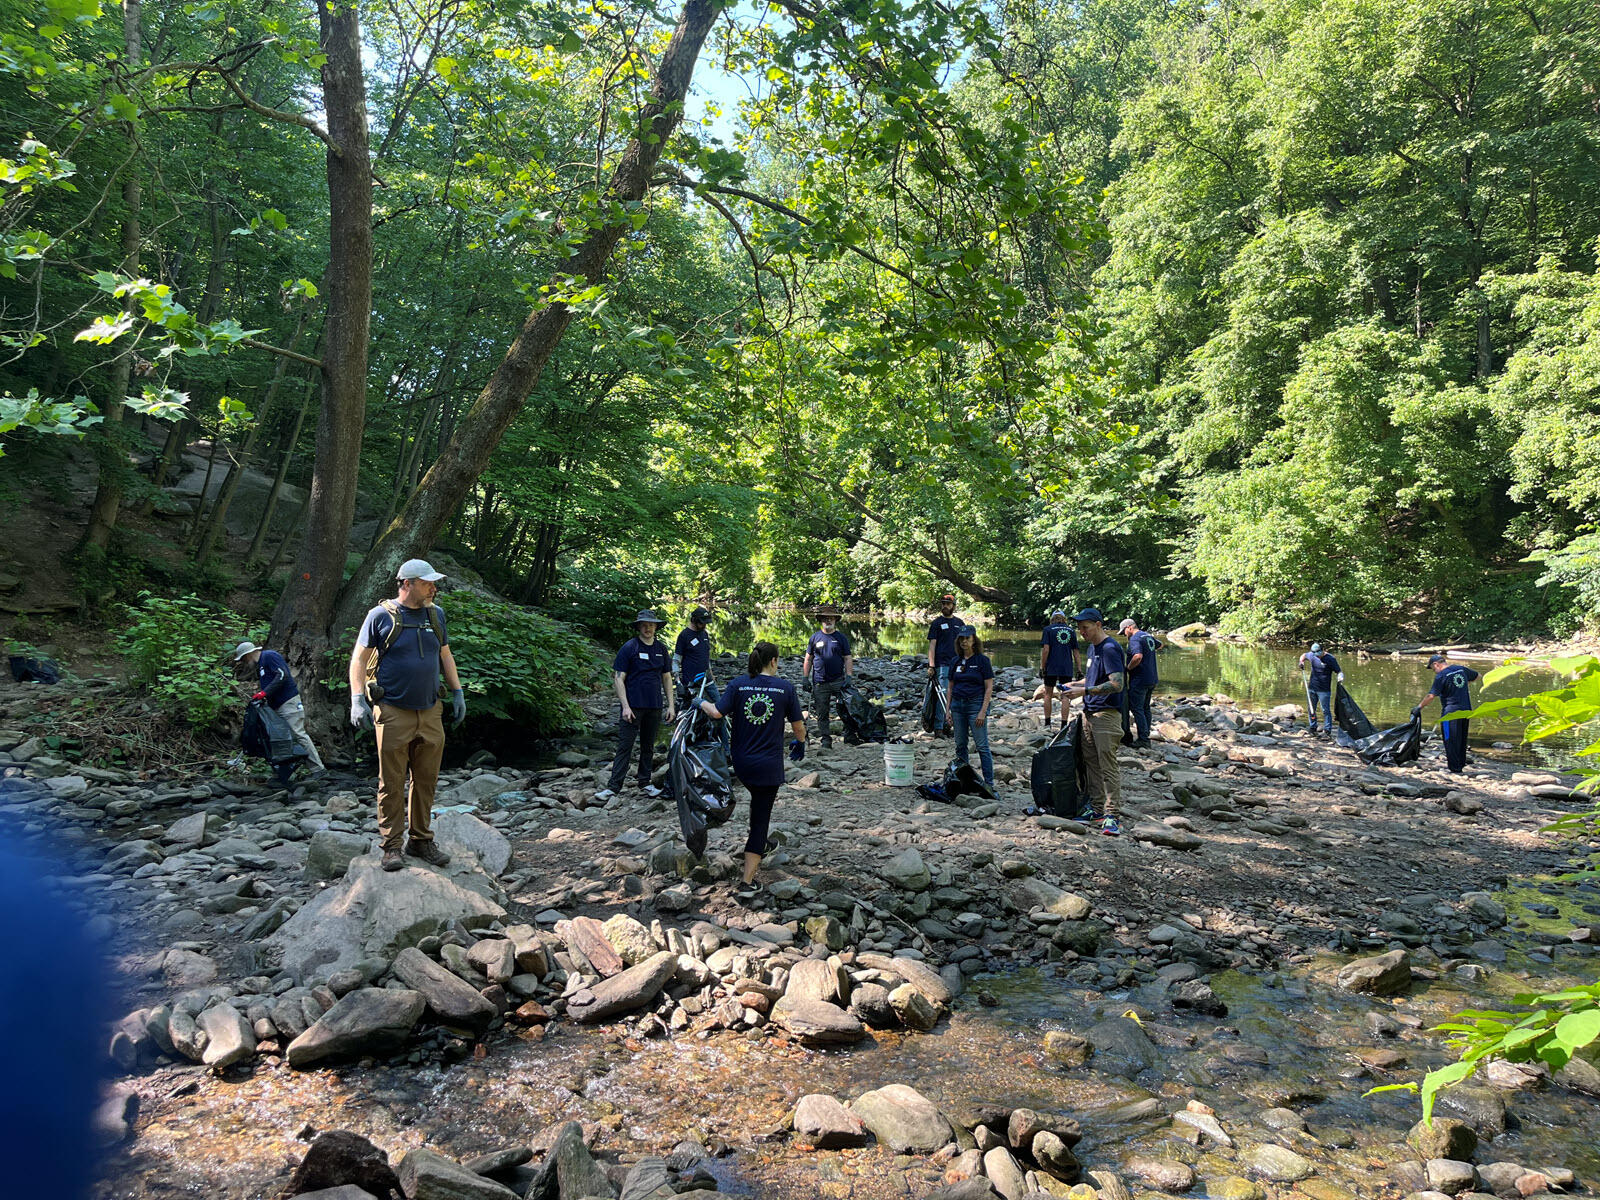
x,y
1058,774
930,706
961,780
863,718
699,777
1347,713
932,791
1393,747
35,670
267,735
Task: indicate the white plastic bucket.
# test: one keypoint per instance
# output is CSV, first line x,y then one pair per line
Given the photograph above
x,y
899,763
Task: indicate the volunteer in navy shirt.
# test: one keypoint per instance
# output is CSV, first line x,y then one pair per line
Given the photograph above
x,y
1105,674
942,648
692,655
1450,682
1058,660
1322,669
277,687
828,663
756,706
405,644
1142,677
971,689
642,677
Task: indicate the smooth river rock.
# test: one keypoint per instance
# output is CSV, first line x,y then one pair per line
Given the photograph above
x,y
365,1021
1380,975
449,997
814,1023
903,1119
623,992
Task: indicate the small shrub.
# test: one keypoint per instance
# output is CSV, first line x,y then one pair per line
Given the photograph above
x,y
176,647
518,664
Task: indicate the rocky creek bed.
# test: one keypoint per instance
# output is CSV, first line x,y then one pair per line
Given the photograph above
x,y
926,999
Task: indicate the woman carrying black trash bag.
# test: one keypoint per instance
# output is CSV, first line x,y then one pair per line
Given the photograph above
x,y
756,705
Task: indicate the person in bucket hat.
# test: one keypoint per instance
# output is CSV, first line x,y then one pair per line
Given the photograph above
x,y
275,684
642,676
829,661
401,652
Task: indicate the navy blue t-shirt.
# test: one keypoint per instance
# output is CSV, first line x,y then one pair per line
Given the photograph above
x,y
942,633
408,672
1145,673
276,681
643,668
758,710
1059,642
1100,663
1450,685
967,676
828,652
694,653
1324,667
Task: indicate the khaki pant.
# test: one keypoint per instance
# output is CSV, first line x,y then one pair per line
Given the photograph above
x,y
293,711
1103,733
411,742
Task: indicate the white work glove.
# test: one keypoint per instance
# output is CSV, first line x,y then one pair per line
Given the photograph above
x,y
360,712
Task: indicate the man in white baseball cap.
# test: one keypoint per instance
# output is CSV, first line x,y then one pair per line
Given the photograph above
x,y
277,687
402,649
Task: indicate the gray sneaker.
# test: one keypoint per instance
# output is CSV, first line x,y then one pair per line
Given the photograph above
x,y
427,852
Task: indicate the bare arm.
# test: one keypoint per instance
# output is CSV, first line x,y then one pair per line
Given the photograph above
x,y
798,728
360,657
849,664
711,710
619,683
988,694
447,663
805,667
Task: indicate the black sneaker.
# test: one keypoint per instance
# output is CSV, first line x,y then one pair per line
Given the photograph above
x,y
1142,744
427,852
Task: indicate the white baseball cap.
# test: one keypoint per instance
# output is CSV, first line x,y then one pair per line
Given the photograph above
x,y
417,568
244,648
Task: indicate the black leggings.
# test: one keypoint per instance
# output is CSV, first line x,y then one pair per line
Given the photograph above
x,y
761,799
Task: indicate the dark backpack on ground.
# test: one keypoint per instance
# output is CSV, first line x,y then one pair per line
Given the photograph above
x,y
35,670
1058,774
267,735
699,777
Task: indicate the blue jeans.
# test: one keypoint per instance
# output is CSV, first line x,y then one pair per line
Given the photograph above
x,y
1139,708
965,713
1324,700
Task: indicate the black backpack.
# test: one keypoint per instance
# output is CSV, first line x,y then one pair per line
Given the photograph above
x,y
1059,775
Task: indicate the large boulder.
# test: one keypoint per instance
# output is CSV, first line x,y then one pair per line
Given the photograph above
x,y
339,1160
229,1037
622,993
1381,975
569,1169
458,832
365,1021
903,1119
449,997
374,913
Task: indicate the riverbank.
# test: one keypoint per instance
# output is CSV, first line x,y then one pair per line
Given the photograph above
x,y
985,960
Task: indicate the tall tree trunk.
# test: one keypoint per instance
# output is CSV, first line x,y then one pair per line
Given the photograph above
x,y
271,506
219,510
113,466
451,477
171,452
302,621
